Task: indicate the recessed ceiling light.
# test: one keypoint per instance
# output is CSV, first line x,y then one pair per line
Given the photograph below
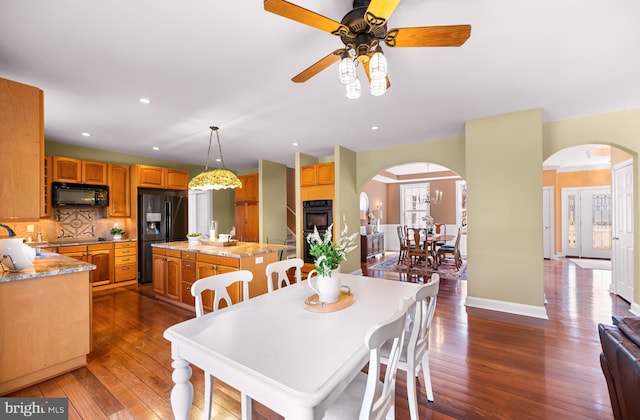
x,y
156,148
374,127
145,100
295,143
85,134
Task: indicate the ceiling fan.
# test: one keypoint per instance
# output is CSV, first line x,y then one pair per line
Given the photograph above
x,y
362,30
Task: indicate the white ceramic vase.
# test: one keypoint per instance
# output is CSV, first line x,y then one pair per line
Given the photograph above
x,y
327,287
18,255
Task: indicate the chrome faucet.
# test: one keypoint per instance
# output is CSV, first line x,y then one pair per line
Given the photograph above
x,y
11,232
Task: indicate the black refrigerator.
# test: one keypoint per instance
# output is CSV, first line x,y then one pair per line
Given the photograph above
x,y
162,217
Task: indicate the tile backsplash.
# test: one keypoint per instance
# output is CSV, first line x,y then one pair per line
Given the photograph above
x,y
67,223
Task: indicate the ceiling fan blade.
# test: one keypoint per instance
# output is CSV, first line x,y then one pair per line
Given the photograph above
x,y
318,66
365,65
302,15
428,36
379,11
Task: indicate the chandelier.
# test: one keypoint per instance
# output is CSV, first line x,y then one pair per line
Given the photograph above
x,y
435,199
215,179
369,53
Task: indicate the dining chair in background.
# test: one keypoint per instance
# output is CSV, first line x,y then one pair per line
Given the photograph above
x,y
218,285
453,250
440,229
366,397
279,271
415,351
404,246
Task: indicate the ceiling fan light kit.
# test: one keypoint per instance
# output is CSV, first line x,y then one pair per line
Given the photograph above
x,y
346,69
353,90
361,31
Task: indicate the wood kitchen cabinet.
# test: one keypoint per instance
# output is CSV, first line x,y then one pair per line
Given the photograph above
x,y
100,255
247,224
188,276
249,189
318,174
119,191
211,265
66,169
45,198
126,261
158,177
22,145
246,209
166,268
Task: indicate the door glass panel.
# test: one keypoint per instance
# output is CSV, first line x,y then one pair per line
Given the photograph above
x,y
601,221
571,221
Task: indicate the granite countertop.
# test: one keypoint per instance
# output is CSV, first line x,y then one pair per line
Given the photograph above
x,y
240,250
47,264
75,241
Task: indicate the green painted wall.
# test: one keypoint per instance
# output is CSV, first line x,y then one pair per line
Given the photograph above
x,y
347,203
504,205
273,200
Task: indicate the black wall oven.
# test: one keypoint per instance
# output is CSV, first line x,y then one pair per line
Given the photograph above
x,y
315,213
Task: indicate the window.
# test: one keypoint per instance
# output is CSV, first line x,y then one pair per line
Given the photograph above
x,y
413,207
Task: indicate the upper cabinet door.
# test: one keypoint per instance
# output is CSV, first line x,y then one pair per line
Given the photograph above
x,y
119,191
22,142
177,179
249,189
94,172
67,169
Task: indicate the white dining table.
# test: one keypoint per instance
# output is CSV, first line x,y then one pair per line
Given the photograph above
x,y
274,350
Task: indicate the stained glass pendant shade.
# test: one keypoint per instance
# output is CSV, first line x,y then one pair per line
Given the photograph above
x,y
215,179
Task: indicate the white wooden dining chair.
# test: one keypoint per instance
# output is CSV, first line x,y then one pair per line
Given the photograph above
x,y
278,271
366,398
415,352
218,285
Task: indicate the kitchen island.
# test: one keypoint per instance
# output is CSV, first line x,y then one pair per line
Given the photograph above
x,y
45,320
176,265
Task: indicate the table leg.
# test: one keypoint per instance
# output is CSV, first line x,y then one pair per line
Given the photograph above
x,y
182,392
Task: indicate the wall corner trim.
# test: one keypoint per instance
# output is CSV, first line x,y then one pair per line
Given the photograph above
x,y
509,307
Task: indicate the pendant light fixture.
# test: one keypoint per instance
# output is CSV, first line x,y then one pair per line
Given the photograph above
x,y
215,179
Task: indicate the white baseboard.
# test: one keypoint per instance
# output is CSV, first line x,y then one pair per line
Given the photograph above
x,y
635,308
509,307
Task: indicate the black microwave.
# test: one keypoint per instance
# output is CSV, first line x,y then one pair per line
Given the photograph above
x,y
65,194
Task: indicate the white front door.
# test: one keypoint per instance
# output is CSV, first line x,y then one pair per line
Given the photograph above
x,y
622,258
587,217
547,221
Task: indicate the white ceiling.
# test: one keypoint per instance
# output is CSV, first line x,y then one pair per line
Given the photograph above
x,y
230,64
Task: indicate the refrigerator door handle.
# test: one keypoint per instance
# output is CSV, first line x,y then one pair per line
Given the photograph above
x,y
168,230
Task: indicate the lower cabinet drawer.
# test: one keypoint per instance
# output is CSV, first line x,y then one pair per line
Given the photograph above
x,y
186,294
129,259
127,272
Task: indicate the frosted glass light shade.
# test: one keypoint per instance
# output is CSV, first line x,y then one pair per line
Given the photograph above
x,y
353,89
378,66
378,87
346,71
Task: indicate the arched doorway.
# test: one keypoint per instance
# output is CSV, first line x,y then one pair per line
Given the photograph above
x,y
406,194
592,188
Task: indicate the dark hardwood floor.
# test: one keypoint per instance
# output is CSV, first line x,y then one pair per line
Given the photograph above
x,y
484,364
